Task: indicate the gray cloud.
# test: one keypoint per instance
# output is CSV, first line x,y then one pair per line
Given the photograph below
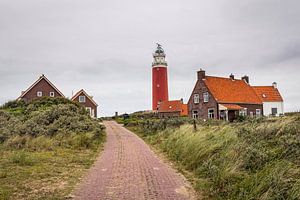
x,y
105,46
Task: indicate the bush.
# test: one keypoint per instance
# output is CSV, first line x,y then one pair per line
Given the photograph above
x,y
44,119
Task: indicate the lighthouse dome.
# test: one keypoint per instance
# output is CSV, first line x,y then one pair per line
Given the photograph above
x,y
159,50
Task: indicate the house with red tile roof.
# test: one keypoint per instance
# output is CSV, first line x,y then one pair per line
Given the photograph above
x,y
174,108
271,98
40,88
223,98
87,101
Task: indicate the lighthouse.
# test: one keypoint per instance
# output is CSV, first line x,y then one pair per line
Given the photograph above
x,y
159,78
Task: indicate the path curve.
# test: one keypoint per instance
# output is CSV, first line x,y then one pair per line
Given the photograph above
x,y
127,169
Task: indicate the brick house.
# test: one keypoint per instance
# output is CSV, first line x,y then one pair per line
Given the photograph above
x,y
87,101
41,88
271,98
223,98
175,108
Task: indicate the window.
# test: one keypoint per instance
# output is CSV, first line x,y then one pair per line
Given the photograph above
x,y
274,111
51,94
81,99
258,113
89,109
205,97
211,113
196,98
39,94
195,114
251,114
243,112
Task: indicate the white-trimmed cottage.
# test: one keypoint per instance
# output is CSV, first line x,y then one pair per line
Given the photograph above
x,y
271,98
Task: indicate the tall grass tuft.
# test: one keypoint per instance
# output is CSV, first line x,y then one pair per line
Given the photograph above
x,y
252,159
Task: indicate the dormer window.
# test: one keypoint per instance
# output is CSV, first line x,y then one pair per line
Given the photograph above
x,y
81,99
39,94
264,95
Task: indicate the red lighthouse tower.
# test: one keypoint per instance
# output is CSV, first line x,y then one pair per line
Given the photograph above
x,y
159,78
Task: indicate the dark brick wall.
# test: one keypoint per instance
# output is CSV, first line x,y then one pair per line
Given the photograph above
x,y
42,86
250,107
87,103
202,107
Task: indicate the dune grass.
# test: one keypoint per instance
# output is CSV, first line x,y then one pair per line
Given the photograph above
x,y
255,159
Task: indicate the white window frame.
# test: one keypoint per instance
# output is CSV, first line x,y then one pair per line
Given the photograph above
x,y
258,112
205,97
196,98
243,112
276,111
89,109
39,93
81,99
251,114
51,94
211,115
195,114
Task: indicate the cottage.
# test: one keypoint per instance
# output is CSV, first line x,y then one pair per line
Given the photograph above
x,y
175,108
223,98
41,88
271,98
87,101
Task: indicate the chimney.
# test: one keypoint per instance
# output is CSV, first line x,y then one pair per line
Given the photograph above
x,y
181,100
246,78
231,76
274,84
201,74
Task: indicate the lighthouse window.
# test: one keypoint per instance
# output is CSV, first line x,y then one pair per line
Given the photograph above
x,y
196,98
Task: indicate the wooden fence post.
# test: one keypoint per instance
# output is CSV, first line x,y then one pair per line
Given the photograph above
x,y
195,125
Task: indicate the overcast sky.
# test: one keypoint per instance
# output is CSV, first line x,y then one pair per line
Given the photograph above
x,y
106,46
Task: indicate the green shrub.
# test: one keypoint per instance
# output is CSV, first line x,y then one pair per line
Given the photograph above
x,y
43,119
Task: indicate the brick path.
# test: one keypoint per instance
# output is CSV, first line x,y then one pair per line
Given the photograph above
x,y
127,169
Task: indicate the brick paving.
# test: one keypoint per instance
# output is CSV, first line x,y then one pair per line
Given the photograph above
x,y
127,169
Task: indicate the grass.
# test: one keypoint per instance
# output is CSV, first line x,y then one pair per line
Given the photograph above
x,y
254,159
43,174
45,148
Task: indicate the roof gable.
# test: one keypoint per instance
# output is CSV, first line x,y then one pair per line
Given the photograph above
x,y
43,77
268,93
227,90
82,92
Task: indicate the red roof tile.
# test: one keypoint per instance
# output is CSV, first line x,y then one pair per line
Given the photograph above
x,y
232,106
226,90
173,106
267,93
